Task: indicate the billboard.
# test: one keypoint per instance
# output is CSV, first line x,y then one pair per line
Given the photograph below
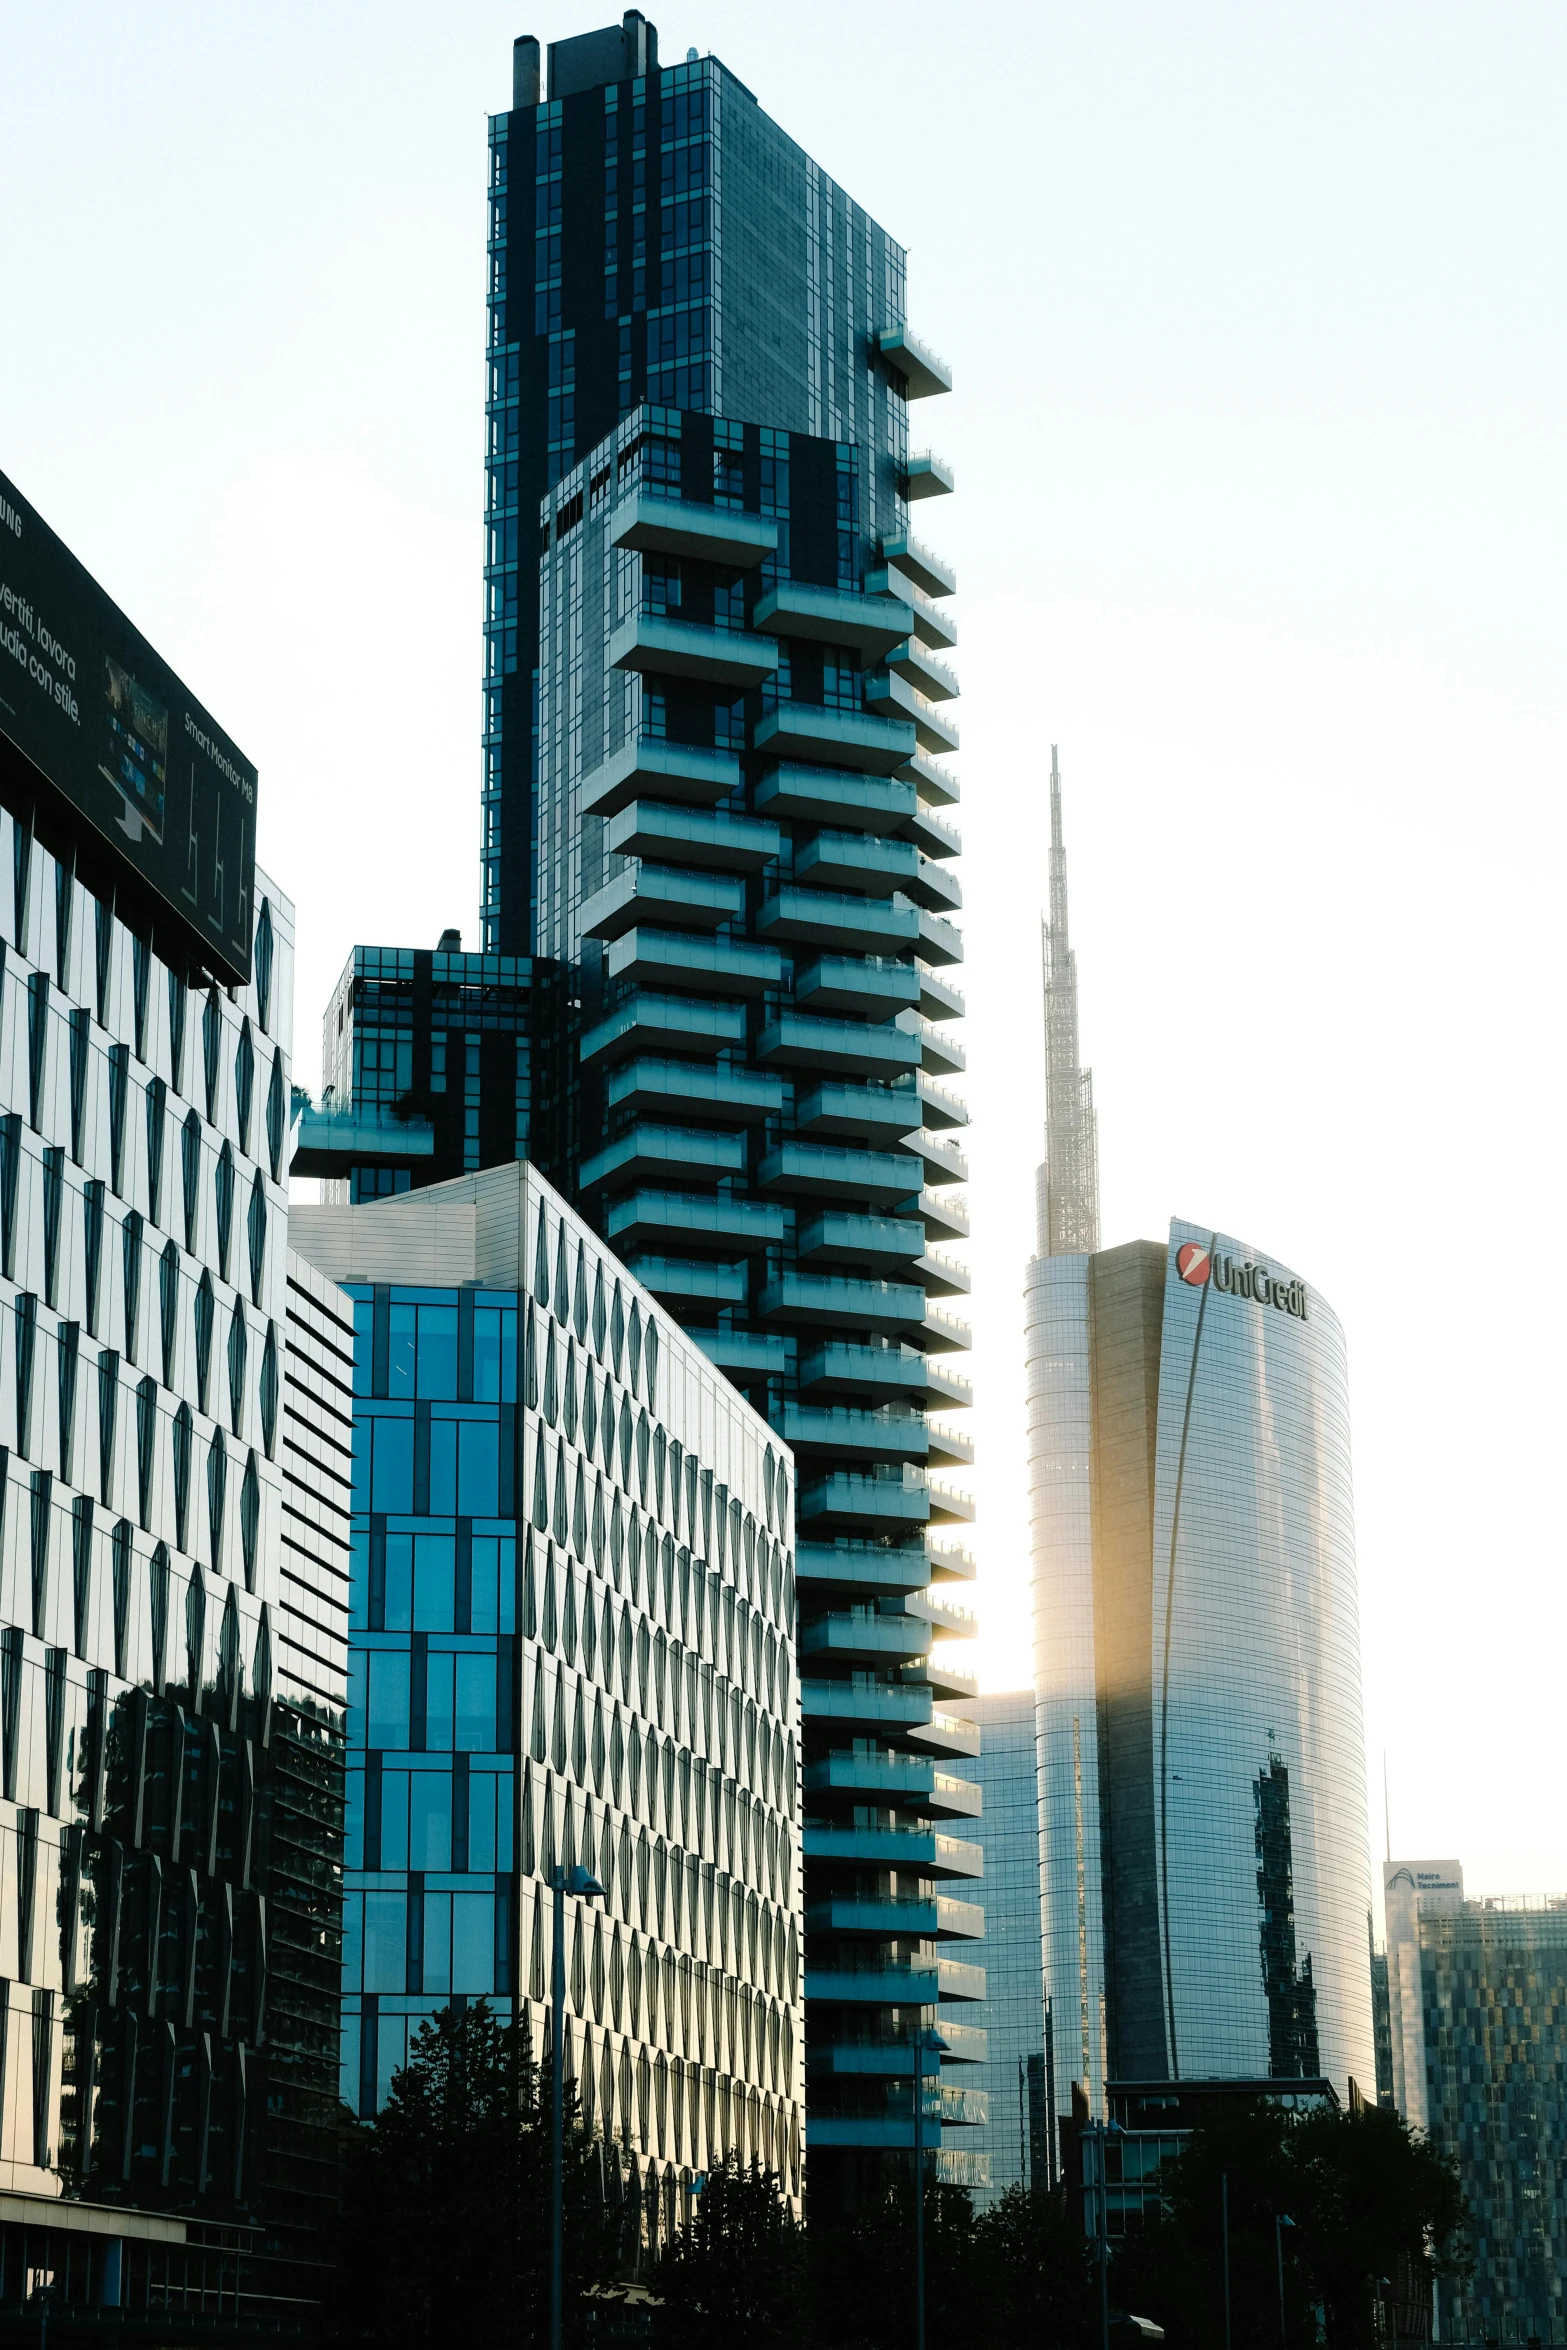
x,y
84,697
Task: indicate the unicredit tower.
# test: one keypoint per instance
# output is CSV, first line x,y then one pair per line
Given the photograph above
x,y
1204,1861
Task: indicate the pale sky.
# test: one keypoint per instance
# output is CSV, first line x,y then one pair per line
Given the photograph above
x,y
1257,316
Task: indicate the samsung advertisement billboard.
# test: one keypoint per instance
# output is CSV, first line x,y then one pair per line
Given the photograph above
x,y
106,723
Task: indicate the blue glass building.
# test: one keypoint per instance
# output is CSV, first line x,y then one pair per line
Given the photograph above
x,y
716,708
572,1639
1204,1862
1016,2134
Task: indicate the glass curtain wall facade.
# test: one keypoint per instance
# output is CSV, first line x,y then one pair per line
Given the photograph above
x,y
464,1043
1015,2133
1480,2064
716,703
1202,1771
572,1641
164,1861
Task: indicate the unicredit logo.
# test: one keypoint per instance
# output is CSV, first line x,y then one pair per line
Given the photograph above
x,y
1196,1265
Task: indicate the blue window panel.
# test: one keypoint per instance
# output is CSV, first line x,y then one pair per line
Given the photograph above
x,y
438,1701
394,1819
435,1576
494,1356
473,1942
398,1616
387,1708
359,1571
478,1480
402,1353
494,1583
364,1437
505,1798
354,1817
429,1823
438,1942
481,1823
364,1328
437,1351
392,1487
475,1703
443,1468
348,2061
353,1939
391,2053
386,1941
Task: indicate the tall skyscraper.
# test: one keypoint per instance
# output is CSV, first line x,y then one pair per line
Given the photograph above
x,y
714,703
1067,1185
1478,1998
1017,2132
171,1668
1204,1849
573,1641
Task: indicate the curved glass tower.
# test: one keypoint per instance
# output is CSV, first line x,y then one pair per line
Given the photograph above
x,y
1197,1660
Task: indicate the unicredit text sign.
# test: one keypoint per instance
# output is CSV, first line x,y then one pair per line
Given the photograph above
x,y
1197,1264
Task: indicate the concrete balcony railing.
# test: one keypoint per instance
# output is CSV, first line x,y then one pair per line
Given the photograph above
x,y
872,986
829,615
671,526
817,1300
654,644
712,838
729,1227
928,476
926,619
650,767
924,373
924,1852
838,1237
851,738
902,551
829,795
664,894
686,1089
850,1048
718,966
676,1023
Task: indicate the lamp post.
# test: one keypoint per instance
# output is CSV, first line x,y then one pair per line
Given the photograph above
x,y
1281,2221
562,1882
1098,2134
928,2042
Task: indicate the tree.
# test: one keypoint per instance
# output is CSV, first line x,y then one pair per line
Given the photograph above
x,y
736,2274
1364,2197
1035,2270
446,2206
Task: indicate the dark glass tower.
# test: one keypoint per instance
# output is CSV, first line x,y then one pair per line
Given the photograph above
x,y
715,704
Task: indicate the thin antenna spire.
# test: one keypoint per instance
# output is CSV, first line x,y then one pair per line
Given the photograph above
x,y
1387,1816
1067,1184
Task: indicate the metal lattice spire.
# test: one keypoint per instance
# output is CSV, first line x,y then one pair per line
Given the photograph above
x,y
1067,1185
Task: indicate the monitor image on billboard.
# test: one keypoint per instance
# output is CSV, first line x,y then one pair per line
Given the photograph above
x,y
105,726
136,750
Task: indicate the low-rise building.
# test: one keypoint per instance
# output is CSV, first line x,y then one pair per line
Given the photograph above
x,y
572,1645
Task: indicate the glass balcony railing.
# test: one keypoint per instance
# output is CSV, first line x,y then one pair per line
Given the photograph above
x,y
796,1041
715,966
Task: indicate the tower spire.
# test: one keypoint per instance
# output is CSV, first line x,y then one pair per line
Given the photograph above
x,y
1067,1184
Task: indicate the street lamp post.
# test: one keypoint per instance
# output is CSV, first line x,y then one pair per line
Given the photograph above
x,y
1099,2133
1281,2221
562,1882
926,2043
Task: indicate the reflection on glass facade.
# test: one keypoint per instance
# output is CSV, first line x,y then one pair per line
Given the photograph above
x,y
170,1732
1206,1882
1479,2045
466,1045
572,1641
1014,2131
